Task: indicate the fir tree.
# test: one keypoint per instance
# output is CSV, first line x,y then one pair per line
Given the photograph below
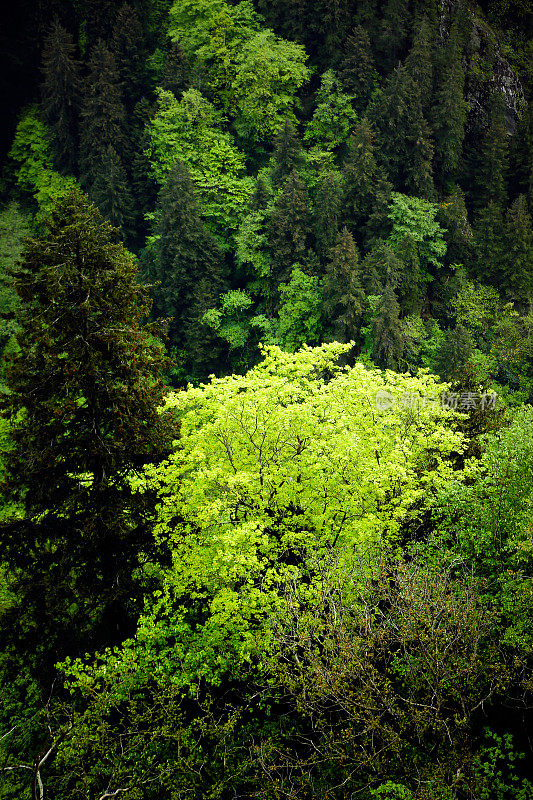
x,y
288,155
393,33
84,395
521,163
489,241
419,62
328,204
404,136
519,253
187,257
492,171
129,52
388,343
361,175
103,114
289,230
110,192
449,110
358,73
343,295
175,75
61,95
381,267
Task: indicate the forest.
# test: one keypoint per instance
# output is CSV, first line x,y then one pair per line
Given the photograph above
x,y
266,400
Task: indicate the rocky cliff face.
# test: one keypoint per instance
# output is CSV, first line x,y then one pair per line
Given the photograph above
x,y
486,70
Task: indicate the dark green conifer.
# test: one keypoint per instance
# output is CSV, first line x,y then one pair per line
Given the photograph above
x,y
84,395
489,242
288,155
404,137
357,72
328,205
290,230
492,170
129,51
60,93
361,176
186,257
393,33
175,76
388,342
103,116
342,292
419,62
110,192
519,253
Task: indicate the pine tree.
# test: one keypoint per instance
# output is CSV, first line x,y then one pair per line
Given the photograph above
x,y
290,230
84,396
388,343
358,73
288,155
328,204
342,292
404,137
186,257
60,93
129,51
519,253
103,115
492,171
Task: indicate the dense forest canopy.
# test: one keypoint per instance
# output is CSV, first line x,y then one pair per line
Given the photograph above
x,y
266,386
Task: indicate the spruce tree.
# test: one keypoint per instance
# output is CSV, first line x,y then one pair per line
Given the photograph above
x,y
388,342
519,253
361,176
419,62
110,192
381,267
129,51
60,92
328,203
84,395
490,246
357,72
175,75
288,155
404,136
290,230
393,33
449,110
492,170
186,258
342,292
103,116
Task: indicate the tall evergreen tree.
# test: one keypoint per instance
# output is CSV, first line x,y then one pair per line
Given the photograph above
x,y
187,260
103,115
99,17
449,110
288,154
175,75
129,51
290,230
521,163
84,395
419,62
393,33
492,170
404,136
327,207
60,93
489,241
388,342
519,253
343,295
361,176
357,72
110,192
